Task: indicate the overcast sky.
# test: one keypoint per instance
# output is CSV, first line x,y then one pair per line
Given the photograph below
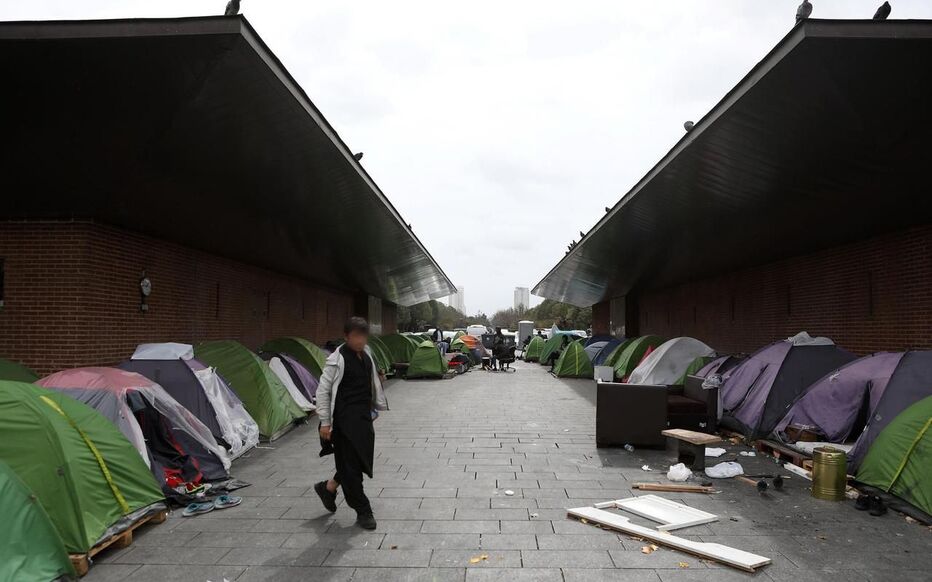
x,y
500,129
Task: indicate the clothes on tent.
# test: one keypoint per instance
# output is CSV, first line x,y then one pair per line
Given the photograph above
x,y
178,446
427,362
667,364
899,460
14,372
278,368
200,390
574,363
756,393
306,352
85,474
31,547
262,393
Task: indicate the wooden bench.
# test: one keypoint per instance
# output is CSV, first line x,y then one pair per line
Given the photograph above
x,y
690,446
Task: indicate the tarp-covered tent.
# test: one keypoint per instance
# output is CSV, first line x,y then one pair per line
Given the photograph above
x,y
308,353
426,362
631,354
87,476
263,395
900,459
202,391
667,364
859,400
177,446
280,368
401,347
756,394
31,549
533,349
14,372
573,363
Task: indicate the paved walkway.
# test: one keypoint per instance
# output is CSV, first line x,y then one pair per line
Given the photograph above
x,y
446,454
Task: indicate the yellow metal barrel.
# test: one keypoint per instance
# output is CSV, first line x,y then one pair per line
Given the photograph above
x,y
829,473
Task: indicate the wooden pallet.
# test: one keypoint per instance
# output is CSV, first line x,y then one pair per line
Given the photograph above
x,y
124,539
784,453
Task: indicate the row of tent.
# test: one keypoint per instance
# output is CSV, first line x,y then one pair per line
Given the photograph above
x,y
878,407
87,452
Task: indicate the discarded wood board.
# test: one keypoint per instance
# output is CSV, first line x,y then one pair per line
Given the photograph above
x,y
673,488
670,514
723,554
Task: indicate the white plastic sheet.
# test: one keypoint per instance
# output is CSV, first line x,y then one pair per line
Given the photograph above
x,y
679,473
238,429
804,339
668,363
164,351
725,470
278,368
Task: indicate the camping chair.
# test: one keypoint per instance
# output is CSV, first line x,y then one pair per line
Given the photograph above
x,y
506,357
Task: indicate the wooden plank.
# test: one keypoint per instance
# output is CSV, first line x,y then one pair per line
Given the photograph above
x,y
124,539
673,488
730,556
691,436
671,514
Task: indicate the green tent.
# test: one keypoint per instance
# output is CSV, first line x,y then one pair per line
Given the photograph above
x,y
16,372
307,353
458,335
458,345
633,353
574,363
533,349
382,354
83,471
265,397
32,549
696,365
616,353
900,459
427,362
555,343
401,347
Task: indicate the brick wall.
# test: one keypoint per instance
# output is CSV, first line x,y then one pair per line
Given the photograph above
x,y
601,318
72,297
868,296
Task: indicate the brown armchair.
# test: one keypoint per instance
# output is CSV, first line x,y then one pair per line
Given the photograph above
x,y
635,414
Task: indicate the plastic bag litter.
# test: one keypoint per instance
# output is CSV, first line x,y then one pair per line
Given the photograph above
x,y
725,470
748,454
679,472
714,452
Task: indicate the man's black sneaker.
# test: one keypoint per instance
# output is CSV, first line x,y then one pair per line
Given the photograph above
x,y
366,521
878,507
862,503
329,499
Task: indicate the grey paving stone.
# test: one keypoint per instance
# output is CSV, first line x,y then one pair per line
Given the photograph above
x,y
275,557
508,542
168,555
464,526
590,575
292,574
433,541
408,492
187,571
238,540
476,559
513,575
409,575
526,527
491,514
659,559
110,572
566,559
601,541
379,558
334,541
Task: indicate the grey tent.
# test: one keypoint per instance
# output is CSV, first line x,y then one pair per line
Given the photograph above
x,y
756,393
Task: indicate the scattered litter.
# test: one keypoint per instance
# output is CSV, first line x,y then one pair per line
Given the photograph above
x,y
629,448
684,565
479,558
566,430
714,452
509,492
733,518
650,549
679,472
394,547
645,467
911,520
533,515
748,454
725,470
674,487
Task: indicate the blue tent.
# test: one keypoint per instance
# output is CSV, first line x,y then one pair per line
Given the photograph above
x,y
598,352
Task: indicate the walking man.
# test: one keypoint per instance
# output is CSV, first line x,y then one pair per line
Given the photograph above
x,y
348,398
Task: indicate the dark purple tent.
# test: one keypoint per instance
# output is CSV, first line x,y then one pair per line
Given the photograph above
x,y
756,394
301,376
721,365
836,407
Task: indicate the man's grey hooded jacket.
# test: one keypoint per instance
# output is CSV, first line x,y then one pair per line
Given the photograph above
x,y
330,380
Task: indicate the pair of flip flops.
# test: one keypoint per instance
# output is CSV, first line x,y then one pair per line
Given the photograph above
x,y
221,502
